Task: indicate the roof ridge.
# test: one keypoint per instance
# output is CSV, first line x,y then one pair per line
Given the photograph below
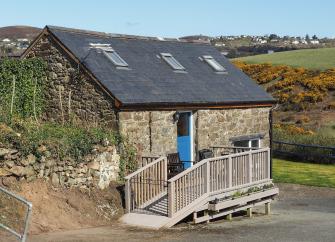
x,y
121,36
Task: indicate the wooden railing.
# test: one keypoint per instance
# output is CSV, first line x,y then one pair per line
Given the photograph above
x,y
215,175
145,160
146,184
225,150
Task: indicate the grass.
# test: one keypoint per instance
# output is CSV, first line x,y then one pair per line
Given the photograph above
x,y
321,59
303,173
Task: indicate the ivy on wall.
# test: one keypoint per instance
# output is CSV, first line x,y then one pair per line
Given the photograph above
x,y
21,87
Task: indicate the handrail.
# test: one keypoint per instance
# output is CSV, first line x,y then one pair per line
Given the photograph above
x,y
216,174
144,168
210,159
146,184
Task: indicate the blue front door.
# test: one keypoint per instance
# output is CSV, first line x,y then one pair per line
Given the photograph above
x,y
184,138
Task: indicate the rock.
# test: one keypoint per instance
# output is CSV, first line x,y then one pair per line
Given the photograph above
x,y
94,165
50,163
40,173
31,159
17,170
31,178
9,163
71,181
4,172
41,149
43,159
29,171
4,151
55,179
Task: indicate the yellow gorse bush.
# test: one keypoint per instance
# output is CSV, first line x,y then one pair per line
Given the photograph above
x,y
297,87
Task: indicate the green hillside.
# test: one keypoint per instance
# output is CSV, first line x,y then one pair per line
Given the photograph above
x,y
321,59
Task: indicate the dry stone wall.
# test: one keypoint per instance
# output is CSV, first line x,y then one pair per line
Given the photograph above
x,y
96,169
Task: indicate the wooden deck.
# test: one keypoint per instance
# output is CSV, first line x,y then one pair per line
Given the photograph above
x,y
212,188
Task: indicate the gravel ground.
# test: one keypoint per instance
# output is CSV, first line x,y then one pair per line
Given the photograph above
x,y
301,213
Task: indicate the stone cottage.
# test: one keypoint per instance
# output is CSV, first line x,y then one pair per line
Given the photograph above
x,y
165,95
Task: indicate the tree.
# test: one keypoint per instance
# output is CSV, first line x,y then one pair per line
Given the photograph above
x,y
307,37
314,37
273,36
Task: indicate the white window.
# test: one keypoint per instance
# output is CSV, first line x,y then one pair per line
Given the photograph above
x,y
168,58
114,57
213,63
251,143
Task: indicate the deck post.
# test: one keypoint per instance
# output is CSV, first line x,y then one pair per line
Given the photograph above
x,y
250,167
249,212
194,217
170,199
206,215
229,217
230,172
127,196
267,208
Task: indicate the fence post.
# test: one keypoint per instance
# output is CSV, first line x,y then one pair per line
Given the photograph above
x,y
127,196
170,199
230,172
250,166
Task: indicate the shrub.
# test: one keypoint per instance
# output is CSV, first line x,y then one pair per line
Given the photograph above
x,y
21,87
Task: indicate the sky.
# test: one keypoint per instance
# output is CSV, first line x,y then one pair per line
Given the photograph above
x,y
176,18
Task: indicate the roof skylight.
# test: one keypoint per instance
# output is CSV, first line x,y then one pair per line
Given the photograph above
x,y
114,57
213,63
168,58
110,53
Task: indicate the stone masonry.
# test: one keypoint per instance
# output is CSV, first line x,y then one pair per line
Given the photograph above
x,y
69,93
155,132
96,169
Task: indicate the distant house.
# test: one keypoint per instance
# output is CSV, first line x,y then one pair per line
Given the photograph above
x,y
6,40
182,102
295,42
315,42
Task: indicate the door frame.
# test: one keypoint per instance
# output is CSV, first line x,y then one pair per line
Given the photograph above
x,y
191,126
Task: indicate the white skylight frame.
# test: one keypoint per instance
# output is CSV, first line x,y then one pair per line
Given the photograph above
x,y
114,57
172,62
216,66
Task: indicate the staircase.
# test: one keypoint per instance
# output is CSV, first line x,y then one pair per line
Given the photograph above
x,y
212,188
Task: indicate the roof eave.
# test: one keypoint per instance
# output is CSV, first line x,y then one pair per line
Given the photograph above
x,y
196,106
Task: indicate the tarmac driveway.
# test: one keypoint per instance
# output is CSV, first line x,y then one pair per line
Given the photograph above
x,y
301,213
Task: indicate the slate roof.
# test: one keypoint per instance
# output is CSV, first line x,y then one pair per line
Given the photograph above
x,y
150,81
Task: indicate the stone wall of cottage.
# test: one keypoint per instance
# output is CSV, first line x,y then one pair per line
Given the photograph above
x,y
69,93
216,127
155,132
150,132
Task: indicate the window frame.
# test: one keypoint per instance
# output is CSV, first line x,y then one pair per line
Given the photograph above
x,y
120,63
210,60
167,57
249,143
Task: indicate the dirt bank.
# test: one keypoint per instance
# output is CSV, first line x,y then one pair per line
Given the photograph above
x,y
56,209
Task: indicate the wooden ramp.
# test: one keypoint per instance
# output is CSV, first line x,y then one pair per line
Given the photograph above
x,y
210,189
